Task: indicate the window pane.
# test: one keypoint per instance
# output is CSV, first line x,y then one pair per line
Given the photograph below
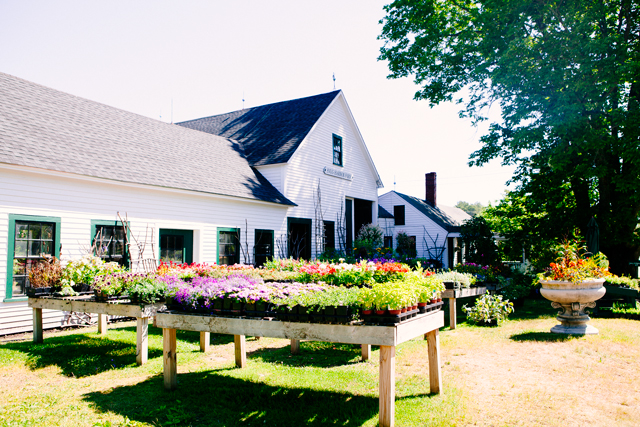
x,y
34,249
47,232
47,248
34,231
18,286
22,230
21,248
19,267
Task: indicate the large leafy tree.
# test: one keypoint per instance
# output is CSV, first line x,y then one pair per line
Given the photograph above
x,y
566,75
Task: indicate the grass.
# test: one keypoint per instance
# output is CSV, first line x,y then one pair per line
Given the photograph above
x,y
516,374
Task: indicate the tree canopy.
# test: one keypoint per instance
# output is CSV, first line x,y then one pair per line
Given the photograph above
x,y
472,209
566,75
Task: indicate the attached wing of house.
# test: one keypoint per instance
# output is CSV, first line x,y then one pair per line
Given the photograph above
x,y
47,129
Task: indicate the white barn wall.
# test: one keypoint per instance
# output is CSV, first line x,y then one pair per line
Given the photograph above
x,y
77,201
415,224
306,167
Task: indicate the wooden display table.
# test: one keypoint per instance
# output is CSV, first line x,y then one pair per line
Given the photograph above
x,y
453,294
86,304
387,337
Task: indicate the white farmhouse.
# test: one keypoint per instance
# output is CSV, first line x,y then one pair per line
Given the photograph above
x,y
238,187
434,229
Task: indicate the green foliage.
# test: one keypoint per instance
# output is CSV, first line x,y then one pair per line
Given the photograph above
x,y
480,247
405,246
330,297
626,308
565,75
624,282
519,285
472,209
147,289
368,240
84,270
488,308
463,280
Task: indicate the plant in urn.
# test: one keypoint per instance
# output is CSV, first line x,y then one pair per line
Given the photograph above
x,y
574,283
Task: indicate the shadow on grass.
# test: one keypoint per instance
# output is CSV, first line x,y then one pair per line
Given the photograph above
x,y
542,336
214,398
312,353
80,355
186,336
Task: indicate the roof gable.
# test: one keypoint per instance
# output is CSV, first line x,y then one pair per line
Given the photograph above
x,y
268,134
449,221
43,128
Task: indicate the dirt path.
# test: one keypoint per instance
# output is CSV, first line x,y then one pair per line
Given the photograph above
x,y
512,379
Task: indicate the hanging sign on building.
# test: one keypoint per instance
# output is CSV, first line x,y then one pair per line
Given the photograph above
x,y
338,173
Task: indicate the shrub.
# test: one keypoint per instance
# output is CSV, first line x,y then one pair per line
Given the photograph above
x,y
368,240
488,308
406,246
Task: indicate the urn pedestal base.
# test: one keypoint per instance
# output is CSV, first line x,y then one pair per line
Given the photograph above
x,y
573,319
572,299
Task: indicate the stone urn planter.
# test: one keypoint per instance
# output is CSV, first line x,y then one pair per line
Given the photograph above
x,y
572,299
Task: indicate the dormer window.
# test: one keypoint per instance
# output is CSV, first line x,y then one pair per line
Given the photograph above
x,y
337,150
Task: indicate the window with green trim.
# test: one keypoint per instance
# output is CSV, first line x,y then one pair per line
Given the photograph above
x,y
109,242
30,239
337,150
176,245
228,246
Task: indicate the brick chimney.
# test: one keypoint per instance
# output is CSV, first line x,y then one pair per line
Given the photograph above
x,y
430,183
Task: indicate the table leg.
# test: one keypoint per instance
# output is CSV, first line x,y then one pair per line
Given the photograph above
x,y
205,341
241,354
433,344
452,313
142,340
37,326
295,346
387,388
170,361
102,324
366,352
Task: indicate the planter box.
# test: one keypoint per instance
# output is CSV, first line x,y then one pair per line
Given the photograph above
x,y
39,292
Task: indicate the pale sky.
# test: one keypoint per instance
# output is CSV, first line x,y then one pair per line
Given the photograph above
x,y
182,60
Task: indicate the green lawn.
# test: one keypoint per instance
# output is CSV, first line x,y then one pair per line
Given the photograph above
x,y
79,378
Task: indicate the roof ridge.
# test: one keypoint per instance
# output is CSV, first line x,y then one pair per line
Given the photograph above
x,y
270,105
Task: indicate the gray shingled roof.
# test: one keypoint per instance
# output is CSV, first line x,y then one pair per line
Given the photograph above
x,y
447,217
269,134
44,128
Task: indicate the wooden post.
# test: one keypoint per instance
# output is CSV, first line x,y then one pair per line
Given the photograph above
x,y
295,346
366,351
170,361
387,389
452,313
38,335
433,344
142,340
102,323
205,340
241,354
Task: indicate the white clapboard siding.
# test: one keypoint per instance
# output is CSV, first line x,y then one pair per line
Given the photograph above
x,y
305,168
78,200
415,224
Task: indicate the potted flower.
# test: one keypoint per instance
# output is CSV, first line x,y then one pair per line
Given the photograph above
x,y
44,278
574,283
